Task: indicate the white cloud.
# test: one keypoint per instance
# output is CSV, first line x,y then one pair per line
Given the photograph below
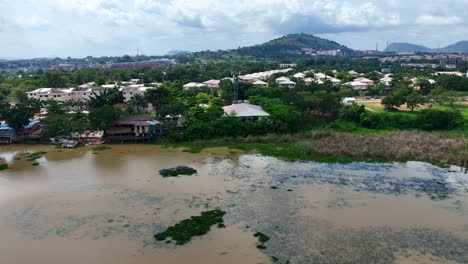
x,y
31,22
106,27
433,20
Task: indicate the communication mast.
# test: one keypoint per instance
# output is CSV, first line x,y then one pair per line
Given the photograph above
x,y
235,82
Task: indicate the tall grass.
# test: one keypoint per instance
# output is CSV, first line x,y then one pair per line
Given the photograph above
x,y
435,148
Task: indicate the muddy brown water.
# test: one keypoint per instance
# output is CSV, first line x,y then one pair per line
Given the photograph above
x,y
80,207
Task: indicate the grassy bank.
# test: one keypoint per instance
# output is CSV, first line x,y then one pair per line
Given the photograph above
x,y
329,146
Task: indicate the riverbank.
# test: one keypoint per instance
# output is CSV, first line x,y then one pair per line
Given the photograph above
x,y
343,147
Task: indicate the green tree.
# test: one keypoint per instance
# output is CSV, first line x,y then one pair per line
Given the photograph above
x,y
106,97
414,100
137,102
157,97
17,117
104,116
54,79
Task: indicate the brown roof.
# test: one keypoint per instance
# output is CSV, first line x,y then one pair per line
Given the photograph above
x,y
132,120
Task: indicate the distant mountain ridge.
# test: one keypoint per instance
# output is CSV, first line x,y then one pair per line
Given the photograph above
x,y
461,46
178,52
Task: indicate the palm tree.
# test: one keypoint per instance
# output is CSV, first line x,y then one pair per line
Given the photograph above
x,y
137,101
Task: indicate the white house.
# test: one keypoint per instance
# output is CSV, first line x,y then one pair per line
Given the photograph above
x,y
386,80
193,85
299,75
365,80
349,101
212,84
260,83
282,79
353,73
245,110
358,85
287,84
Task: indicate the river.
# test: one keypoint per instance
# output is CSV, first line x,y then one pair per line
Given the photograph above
x,y
82,206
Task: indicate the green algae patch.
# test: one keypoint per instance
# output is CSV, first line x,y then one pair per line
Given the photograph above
x,y
3,166
262,238
35,155
183,231
100,148
174,172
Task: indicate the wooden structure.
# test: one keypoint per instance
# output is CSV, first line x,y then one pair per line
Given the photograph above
x,y
134,128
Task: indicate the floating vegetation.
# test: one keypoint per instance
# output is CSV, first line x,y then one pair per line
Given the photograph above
x,y
4,166
101,148
183,231
35,164
174,172
261,246
35,155
262,238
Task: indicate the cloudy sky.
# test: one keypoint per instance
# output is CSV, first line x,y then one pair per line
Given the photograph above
x,y
77,28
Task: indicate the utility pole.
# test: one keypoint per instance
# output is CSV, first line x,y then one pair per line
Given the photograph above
x,y
235,78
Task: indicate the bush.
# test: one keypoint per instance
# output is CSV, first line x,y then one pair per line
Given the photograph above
x,y
431,119
352,113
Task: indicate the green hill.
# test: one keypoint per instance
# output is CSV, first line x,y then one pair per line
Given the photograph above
x,y
406,47
284,47
289,44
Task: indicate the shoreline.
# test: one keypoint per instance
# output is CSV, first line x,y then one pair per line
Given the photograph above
x,y
327,146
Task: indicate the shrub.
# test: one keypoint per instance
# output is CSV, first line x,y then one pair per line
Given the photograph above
x,y
352,113
431,119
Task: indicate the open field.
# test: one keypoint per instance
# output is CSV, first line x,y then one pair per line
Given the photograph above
x,y
379,108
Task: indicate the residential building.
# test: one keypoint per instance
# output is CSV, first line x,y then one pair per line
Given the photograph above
x,y
260,83
358,85
245,111
129,92
287,84
212,84
299,75
134,128
57,94
456,73
365,80
193,85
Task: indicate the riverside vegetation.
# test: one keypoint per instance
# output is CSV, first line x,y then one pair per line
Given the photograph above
x,y
293,112
332,146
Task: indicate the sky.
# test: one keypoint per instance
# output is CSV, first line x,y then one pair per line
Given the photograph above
x,y
79,28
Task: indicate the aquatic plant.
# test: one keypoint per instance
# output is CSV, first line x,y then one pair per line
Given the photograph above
x,y
100,148
35,164
183,231
262,238
3,166
35,155
174,172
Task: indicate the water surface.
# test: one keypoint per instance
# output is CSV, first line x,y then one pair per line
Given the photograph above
x,y
80,207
